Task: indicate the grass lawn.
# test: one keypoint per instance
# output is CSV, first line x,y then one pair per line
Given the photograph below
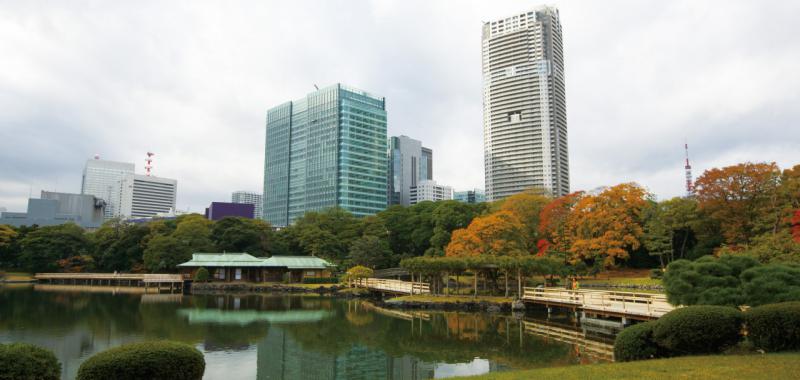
x,y
727,367
453,299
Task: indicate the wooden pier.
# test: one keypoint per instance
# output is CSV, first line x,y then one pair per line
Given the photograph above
x,y
631,305
158,282
392,286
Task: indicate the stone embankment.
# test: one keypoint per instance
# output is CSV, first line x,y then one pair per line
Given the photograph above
x,y
216,287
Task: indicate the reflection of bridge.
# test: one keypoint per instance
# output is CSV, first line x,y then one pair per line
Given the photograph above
x,y
392,286
594,348
407,315
607,303
168,281
244,317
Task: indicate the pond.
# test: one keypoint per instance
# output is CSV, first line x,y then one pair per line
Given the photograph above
x,y
296,337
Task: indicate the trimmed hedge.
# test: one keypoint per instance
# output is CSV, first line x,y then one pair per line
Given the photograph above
x,y
155,360
699,329
201,275
321,280
636,343
26,361
774,327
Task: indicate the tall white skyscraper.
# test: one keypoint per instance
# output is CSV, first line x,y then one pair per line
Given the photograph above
x,y
101,178
252,198
409,164
144,196
524,104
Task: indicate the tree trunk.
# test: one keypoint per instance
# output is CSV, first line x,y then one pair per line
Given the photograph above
x,y
475,281
505,274
458,283
519,283
446,284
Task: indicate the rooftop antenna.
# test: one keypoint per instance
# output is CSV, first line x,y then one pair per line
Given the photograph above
x,y
148,163
315,86
688,167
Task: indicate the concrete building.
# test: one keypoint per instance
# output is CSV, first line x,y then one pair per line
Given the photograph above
x,y
524,105
250,197
430,191
409,163
101,179
219,210
325,150
54,208
470,196
142,196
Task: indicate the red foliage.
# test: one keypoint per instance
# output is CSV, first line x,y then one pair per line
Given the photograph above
x,y
541,247
796,226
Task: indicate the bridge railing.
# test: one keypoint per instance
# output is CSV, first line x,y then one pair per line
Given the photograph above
x,y
158,277
395,286
631,303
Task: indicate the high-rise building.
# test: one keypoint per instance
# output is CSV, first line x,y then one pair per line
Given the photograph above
x,y
409,163
429,190
325,150
249,197
142,196
524,104
470,196
101,179
53,208
220,210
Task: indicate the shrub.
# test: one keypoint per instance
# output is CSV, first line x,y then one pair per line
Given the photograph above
x,y
201,275
320,280
707,280
774,327
26,361
156,360
771,283
636,343
699,329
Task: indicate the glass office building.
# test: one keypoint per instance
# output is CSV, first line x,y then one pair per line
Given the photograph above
x,y
325,150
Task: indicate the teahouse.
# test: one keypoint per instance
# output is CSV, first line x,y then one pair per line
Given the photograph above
x,y
245,267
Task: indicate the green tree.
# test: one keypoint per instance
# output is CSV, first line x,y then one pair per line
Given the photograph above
x,y
119,246
243,235
42,248
164,253
707,280
370,251
327,234
195,234
447,217
7,235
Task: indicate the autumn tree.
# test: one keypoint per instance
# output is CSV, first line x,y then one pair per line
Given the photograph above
x,y
742,199
796,226
607,226
527,206
553,222
497,234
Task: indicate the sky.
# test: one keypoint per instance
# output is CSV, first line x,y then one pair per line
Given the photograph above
x,y
192,80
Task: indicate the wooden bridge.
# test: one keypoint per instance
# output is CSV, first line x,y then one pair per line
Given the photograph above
x,y
392,286
148,281
606,303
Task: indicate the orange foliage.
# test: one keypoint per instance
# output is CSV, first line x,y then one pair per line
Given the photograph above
x,y
796,226
498,234
738,198
527,207
607,225
552,222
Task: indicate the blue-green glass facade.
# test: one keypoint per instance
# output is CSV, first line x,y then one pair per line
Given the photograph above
x,y
325,150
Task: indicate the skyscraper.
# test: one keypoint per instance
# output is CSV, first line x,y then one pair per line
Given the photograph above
x,y
249,197
429,190
524,104
325,150
101,179
409,163
470,196
143,196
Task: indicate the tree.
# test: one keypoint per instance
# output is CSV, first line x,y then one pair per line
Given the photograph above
x,y
777,247
553,225
669,228
7,235
370,251
528,207
357,272
796,226
657,236
164,253
607,226
447,217
76,264
119,246
741,199
201,275
194,233
243,235
327,234
707,280
42,248
497,234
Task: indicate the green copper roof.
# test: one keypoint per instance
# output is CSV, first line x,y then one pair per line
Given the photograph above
x,y
246,260
244,317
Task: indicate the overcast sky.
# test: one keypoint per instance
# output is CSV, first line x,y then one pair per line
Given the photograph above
x,y
191,81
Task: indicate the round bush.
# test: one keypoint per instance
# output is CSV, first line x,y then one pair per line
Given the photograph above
x,y
201,275
774,327
699,329
26,361
636,343
159,360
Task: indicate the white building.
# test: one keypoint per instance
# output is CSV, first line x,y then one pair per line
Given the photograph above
x,y
252,198
430,191
524,104
142,196
101,179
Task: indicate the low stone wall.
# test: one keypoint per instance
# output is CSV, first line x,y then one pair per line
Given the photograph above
x,y
221,287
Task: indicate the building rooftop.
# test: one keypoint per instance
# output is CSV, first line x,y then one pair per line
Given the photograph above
x,y
243,259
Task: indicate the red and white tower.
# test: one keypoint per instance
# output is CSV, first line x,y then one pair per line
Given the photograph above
x,y
149,163
688,167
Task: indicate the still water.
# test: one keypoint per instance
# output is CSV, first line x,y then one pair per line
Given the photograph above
x,y
294,337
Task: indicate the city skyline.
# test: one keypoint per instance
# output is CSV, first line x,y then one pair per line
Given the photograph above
x,y
197,91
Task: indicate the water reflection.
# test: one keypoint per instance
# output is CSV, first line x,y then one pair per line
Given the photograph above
x,y
297,337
